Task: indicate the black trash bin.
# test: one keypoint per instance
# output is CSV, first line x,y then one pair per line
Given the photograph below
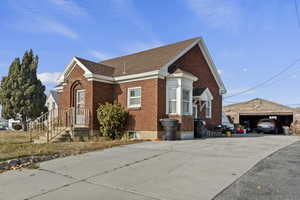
x,y
170,126
198,128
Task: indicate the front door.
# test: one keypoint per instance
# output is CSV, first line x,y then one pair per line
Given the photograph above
x,y
80,107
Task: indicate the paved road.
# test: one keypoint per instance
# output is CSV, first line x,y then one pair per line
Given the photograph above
x,y
277,177
195,169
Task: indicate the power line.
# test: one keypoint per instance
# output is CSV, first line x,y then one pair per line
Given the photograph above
x,y
266,81
297,13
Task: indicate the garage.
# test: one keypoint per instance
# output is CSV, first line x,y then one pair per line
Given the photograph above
x,y
250,112
251,120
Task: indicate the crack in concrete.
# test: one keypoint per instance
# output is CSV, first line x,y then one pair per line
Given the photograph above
x,y
95,175
124,190
127,165
57,173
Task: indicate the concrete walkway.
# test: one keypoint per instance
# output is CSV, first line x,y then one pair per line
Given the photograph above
x,y
195,169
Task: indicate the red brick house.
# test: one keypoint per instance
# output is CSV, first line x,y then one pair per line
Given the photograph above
x,y
178,81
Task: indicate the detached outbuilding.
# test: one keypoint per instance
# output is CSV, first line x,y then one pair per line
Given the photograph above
x,y
250,112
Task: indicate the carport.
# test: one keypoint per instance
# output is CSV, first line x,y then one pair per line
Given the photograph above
x,y
250,112
251,119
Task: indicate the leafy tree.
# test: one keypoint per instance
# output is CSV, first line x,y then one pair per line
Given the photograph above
x,y
112,119
21,92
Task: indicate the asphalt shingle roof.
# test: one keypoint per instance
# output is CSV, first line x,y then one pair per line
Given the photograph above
x,y
149,60
97,68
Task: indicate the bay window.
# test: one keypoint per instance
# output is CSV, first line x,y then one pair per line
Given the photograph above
x,y
208,109
186,101
179,94
172,100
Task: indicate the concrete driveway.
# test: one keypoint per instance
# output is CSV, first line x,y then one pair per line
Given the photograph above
x,y
195,169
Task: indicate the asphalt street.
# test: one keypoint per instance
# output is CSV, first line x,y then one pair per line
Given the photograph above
x,y
276,177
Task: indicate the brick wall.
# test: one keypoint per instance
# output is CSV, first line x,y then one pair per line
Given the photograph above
x,y
186,122
144,118
76,81
102,93
194,62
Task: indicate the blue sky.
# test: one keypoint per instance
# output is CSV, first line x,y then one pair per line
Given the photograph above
x,y
249,40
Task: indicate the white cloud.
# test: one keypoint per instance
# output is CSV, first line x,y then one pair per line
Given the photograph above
x,y
70,7
45,25
48,77
34,19
52,26
245,69
216,13
220,71
140,46
99,55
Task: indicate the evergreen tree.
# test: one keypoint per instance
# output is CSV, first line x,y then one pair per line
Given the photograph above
x,y
21,92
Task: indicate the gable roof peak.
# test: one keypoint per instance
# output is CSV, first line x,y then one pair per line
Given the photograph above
x,y
149,60
153,49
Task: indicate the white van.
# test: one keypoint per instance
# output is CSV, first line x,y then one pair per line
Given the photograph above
x,y
226,122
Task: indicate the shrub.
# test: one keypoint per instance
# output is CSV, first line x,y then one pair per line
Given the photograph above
x,y
112,119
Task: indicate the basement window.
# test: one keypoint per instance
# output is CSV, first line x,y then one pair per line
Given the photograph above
x,y
134,97
133,135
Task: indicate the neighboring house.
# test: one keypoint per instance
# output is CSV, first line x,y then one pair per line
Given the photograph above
x,y
6,124
52,104
178,81
52,100
3,124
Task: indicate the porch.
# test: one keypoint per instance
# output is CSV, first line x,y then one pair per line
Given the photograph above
x,y
60,125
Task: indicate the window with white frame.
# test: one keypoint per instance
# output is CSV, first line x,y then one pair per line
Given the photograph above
x,y
172,102
133,135
195,111
208,109
134,97
186,101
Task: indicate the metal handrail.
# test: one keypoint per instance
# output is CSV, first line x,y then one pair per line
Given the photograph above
x,y
57,121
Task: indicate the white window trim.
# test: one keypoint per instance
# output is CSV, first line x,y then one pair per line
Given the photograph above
x,y
128,97
81,90
135,134
190,101
208,110
173,100
196,111
179,84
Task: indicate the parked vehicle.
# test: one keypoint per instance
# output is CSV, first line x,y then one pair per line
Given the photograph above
x,y
267,126
3,124
241,129
226,123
